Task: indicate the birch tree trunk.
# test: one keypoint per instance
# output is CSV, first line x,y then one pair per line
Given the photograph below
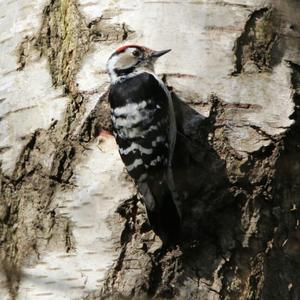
x,y
71,223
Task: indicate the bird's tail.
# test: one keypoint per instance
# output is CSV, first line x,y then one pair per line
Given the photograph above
x,y
162,212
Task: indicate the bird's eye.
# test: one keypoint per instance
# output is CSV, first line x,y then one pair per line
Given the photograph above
x,y
136,53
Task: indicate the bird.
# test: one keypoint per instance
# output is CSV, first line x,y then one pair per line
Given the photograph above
x,y
144,126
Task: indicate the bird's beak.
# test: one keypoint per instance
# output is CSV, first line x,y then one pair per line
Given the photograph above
x,y
156,54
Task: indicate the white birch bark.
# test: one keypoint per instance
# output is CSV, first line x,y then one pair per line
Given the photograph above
x,y
70,223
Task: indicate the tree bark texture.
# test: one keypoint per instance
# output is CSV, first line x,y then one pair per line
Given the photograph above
x,y
71,223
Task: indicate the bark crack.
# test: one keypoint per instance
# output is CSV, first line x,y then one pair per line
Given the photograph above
x,y
258,44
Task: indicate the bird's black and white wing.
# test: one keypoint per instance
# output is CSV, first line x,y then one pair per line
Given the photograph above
x,y
140,115
143,124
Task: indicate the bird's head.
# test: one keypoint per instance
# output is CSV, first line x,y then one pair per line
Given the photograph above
x,y
132,58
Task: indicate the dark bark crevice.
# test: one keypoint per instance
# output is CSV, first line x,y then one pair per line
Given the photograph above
x,y
283,261
258,44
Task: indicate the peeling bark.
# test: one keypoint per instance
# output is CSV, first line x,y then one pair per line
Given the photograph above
x,y
71,223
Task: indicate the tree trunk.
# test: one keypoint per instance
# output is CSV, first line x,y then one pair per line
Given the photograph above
x,y
71,223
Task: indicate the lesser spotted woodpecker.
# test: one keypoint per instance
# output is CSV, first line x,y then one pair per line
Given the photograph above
x,y
145,130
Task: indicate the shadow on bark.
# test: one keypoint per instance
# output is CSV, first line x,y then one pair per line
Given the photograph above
x,y
200,173
211,213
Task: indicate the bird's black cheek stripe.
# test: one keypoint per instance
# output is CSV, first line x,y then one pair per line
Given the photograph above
x,y
123,72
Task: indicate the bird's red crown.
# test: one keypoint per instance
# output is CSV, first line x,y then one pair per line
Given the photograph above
x,y
123,48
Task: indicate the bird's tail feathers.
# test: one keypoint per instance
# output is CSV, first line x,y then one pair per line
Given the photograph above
x,y
162,211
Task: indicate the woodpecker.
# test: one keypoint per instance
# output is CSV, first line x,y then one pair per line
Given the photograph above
x,y
145,130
